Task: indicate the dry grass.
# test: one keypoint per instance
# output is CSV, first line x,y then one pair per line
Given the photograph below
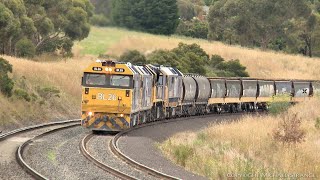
x,y
248,147
64,75
260,64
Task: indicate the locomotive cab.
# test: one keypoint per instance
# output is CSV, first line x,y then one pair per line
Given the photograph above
x,y
107,93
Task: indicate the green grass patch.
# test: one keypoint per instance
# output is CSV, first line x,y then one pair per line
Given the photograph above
x,y
100,39
279,104
182,153
51,155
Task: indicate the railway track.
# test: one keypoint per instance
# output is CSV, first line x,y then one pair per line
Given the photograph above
x,y
13,144
115,150
105,167
28,135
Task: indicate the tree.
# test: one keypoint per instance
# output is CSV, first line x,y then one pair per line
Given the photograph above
x,y
304,36
194,28
257,23
186,10
103,7
25,48
187,58
49,24
153,16
12,14
209,2
64,21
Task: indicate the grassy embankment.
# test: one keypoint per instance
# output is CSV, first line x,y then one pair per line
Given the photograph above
x,y
45,81
53,90
247,147
260,64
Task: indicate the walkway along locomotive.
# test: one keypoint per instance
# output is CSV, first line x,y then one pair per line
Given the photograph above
x,y
117,96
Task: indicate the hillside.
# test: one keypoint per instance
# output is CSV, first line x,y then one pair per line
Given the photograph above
x,y
260,64
54,87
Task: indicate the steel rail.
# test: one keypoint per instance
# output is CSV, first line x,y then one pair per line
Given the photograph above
x,y
115,147
105,167
21,148
29,128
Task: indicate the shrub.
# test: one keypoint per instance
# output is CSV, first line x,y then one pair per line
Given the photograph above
x,y
215,60
289,130
195,29
6,84
100,20
235,67
48,92
25,48
231,68
164,57
182,153
56,44
22,94
133,56
189,58
317,125
280,103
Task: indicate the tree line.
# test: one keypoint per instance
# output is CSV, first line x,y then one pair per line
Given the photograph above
x,y
31,27
287,25
291,26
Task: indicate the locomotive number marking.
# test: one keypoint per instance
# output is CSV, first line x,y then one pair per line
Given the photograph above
x,y
119,70
111,97
97,69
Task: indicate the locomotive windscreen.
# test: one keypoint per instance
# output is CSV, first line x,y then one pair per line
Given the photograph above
x,y
95,79
107,81
119,80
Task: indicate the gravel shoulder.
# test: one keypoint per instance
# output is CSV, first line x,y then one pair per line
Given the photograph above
x,y
9,168
99,148
140,144
57,156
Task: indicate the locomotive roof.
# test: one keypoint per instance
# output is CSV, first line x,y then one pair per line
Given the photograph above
x,y
263,79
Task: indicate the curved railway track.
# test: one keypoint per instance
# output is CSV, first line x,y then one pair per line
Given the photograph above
x,y
113,145
15,142
105,167
34,133
35,127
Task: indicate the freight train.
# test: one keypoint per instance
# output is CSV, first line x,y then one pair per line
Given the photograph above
x,y
117,96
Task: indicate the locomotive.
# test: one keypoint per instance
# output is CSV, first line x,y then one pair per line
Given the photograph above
x,y
119,95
